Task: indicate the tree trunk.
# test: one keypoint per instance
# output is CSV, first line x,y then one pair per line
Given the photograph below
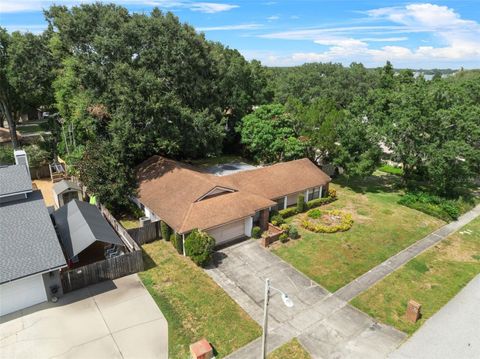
x,y
11,124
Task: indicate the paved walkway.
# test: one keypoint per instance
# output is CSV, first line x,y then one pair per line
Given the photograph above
x,y
327,326
112,319
376,274
453,332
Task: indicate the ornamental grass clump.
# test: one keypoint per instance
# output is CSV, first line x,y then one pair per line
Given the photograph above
x,y
327,221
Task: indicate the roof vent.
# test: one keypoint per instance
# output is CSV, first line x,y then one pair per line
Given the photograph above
x,y
21,159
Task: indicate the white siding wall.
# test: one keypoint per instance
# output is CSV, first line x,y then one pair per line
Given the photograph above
x,y
248,226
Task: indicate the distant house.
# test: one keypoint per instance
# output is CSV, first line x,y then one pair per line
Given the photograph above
x,y
65,191
227,206
30,254
85,234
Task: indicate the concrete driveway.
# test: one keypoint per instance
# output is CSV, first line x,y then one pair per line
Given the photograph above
x,y
113,319
326,325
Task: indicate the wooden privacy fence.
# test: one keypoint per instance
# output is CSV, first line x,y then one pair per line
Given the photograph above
x,y
147,233
122,232
107,269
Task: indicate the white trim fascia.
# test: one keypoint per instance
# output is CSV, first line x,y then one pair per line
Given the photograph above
x,y
225,189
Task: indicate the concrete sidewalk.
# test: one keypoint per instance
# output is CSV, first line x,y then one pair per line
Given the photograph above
x,y
112,319
376,274
327,326
453,332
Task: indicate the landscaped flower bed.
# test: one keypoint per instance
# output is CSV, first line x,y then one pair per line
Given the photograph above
x,y
331,221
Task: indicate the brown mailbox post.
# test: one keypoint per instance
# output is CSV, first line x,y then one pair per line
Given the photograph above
x,y
201,350
413,311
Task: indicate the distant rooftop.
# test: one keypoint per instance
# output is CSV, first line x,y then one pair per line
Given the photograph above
x,y
14,180
28,242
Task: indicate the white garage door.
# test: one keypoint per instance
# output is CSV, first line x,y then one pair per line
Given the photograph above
x,y
21,293
228,232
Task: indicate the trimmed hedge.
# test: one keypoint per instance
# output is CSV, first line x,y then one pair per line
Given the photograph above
x,y
288,212
199,247
277,220
256,232
283,238
165,230
320,201
433,205
345,224
176,240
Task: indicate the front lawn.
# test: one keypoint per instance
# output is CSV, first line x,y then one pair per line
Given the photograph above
x,y
381,229
193,304
432,279
291,350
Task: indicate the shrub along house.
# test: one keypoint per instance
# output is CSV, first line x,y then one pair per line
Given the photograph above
x,y
227,207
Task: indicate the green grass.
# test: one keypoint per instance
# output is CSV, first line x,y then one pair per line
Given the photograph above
x,y
391,170
381,229
129,223
193,304
291,350
432,279
33,128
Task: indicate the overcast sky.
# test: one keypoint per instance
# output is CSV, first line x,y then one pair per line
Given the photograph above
x,y
437,34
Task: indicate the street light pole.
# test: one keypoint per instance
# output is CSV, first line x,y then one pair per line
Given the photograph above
x,y
285,299
265,318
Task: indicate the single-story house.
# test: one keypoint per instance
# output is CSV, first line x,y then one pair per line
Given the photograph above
x,y
65,191
227,207
30,254
85,234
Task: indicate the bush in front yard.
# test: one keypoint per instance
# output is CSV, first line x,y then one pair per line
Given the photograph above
x,y
332,193
256,232
277,220
288,212
283,238
199,247
320,201
301,203
165,230
176,240
430,204
293,232
317,226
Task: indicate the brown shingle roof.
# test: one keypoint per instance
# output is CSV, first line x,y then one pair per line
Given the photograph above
x,y
223,209
278,180
172,191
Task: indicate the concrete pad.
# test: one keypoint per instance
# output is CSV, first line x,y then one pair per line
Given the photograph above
x,y
76,326
120,316
348,322
377,341
101,348
143,341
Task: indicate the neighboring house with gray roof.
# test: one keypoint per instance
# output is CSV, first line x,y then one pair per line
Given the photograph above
x,y
14,181
30,253
84,232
